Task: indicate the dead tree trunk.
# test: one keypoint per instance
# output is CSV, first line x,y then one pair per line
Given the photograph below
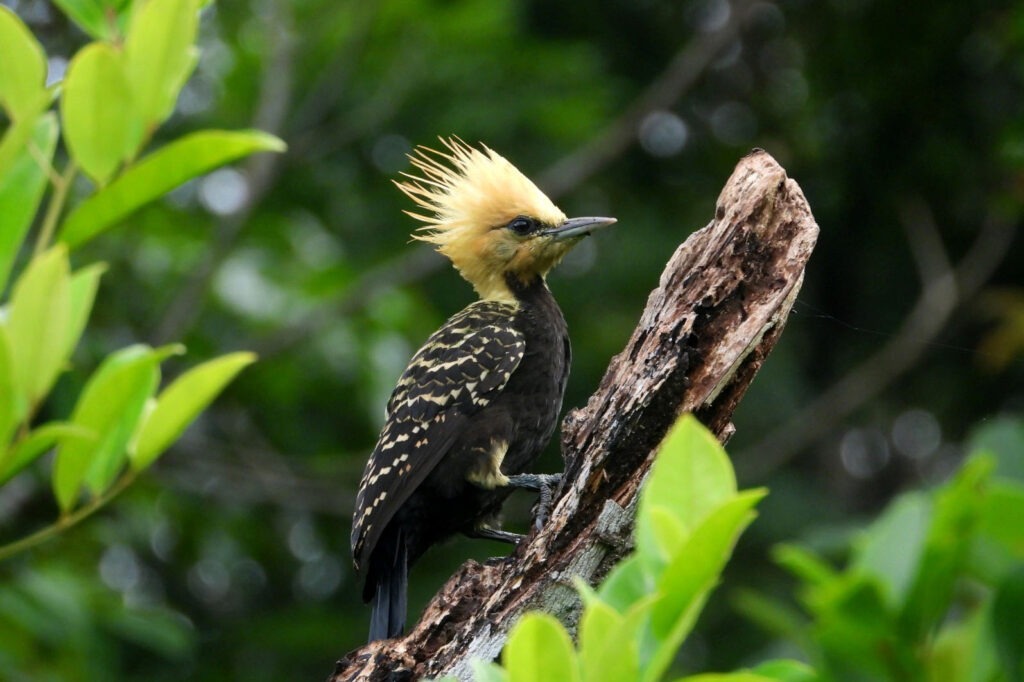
x,y
720,306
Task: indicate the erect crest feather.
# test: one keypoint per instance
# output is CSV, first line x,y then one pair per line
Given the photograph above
x,y
468,191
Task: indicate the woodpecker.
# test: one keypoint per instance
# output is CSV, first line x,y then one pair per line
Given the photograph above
x,y
480,400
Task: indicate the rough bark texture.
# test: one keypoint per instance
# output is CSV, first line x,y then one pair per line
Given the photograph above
x,y
721,304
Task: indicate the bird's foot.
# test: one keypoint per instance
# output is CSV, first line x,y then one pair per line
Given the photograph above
x,y
487,533
543,484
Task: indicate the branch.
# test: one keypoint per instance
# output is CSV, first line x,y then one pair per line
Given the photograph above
x,y
720,306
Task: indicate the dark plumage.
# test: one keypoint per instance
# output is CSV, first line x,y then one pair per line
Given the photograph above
x,y
481,398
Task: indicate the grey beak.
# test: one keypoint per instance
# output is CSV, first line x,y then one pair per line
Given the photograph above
x,y
577,227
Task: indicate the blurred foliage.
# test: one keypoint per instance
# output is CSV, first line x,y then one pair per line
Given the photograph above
x,y
932,589
240,531
688,520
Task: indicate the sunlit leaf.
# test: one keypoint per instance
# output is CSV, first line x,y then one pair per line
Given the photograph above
x,y
101,127
181,402
84,284
110,405
13,404
98,18
694,571
39,318
21,189
22,68
607,647
37,442
483,671
539,648
160,55
691,476
159,173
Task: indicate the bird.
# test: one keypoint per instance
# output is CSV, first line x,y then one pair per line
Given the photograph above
x,y
480,400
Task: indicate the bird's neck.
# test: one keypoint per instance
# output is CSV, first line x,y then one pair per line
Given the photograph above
x,y
529,291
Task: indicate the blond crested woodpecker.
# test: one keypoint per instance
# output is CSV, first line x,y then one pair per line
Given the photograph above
x,y
480,400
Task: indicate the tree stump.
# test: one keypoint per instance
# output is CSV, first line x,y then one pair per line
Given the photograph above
x,y
720,306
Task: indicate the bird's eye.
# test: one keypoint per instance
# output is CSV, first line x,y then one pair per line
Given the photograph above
x,y
522,225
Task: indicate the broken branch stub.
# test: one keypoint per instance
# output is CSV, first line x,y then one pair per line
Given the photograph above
x,y
718,310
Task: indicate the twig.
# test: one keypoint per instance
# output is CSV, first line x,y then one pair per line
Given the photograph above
x,y
68,520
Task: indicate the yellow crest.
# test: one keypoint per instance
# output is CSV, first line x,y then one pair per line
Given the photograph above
x,y
470,191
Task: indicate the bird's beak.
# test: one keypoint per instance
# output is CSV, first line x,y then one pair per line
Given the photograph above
x,y
577,227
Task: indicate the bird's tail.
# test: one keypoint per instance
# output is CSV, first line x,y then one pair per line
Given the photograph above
x,y
387,583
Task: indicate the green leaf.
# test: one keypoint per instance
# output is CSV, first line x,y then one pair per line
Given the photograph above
x,y
21,189
892,547
95,17
691,476
1007,607
14,141
39,317
804,564
13,405
686,582
160,55
784,670
101,127
608,647
159,173
539,648
182,402
696,566
956,517
484,671
84,284
110,405
38,441
22,68
742,676
626,584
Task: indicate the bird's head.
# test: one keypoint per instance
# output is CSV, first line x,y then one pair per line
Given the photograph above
x,y
488,218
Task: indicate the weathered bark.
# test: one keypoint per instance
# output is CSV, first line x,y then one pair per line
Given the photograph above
x,y
721,304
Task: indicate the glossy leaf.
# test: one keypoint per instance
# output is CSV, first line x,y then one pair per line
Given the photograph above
x,y
84,284
691,476
38,323
22,68
93,16
687,581
100,125
160,55
21,189
110,405
38,441
539,648
608,648
159,173
626,584
483,671
13,405
182,401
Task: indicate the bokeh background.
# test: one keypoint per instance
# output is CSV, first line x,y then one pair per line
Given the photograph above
x,y
903,122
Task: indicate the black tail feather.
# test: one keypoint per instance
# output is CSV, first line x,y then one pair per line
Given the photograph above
x,y
389,571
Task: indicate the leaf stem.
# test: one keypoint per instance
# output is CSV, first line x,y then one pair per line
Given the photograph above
x,y
61,184
67,520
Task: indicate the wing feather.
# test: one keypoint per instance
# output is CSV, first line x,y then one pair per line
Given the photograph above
x,y
459,370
